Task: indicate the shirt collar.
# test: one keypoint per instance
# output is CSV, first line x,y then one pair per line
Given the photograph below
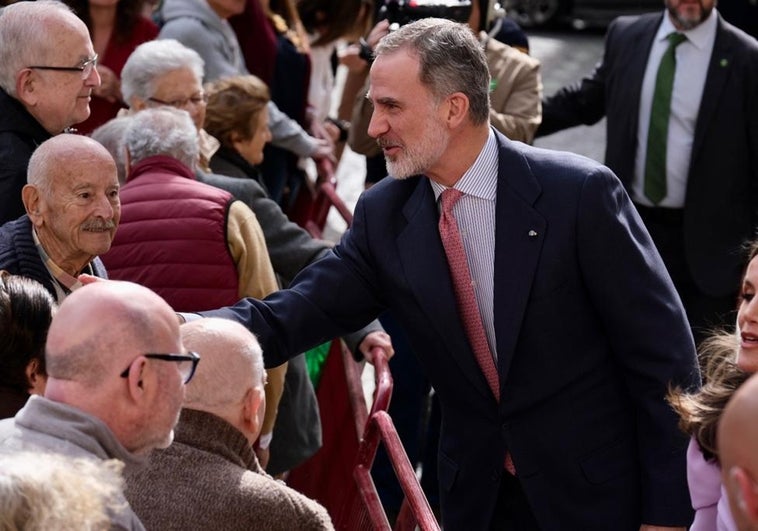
x,y
65,281
699,36
480,179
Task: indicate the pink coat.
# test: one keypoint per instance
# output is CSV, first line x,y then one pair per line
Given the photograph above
x,y
707,493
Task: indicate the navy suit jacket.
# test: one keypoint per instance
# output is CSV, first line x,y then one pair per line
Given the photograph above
x,y
721,202
590,333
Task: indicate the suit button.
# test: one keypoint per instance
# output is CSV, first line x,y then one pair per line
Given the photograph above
x,y
505,428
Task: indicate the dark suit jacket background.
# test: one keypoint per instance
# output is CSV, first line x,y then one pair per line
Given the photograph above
x,y
589,335
722,191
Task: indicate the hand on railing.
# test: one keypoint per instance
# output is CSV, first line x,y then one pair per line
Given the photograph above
x,y
376,340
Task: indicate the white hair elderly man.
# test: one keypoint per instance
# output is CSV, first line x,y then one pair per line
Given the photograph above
x,y
45,86
192,243
116,375
73,210
213,451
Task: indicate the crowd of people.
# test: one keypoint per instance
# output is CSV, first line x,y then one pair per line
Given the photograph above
x,y
589,330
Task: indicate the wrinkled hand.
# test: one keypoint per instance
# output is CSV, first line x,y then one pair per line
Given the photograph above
x,y
349,57
324,150
319,130
373,340
378,32
89,279
110,85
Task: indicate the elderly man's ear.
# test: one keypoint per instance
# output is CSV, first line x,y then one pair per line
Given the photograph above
x,y
25,87
31,197
253,409
746,491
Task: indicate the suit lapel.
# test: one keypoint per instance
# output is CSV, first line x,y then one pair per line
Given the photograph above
x,y
520,233
719,70
429,279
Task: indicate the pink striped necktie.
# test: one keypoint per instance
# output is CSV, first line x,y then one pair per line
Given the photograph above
x,y
465,297
464,289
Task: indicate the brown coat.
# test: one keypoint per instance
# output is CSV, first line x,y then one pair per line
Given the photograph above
x,y
209,478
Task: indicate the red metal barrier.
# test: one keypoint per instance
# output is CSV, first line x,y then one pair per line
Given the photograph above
x,y
313,201
338,476
362,508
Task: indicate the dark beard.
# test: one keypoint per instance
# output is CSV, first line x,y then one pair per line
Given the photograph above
x,y
688,24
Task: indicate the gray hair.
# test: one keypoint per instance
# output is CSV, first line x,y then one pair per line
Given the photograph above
x,y
111,135
152,60
162,131
54,491
451,60
25,29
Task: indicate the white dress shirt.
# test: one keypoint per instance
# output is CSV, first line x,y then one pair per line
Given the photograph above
x,y
692,58
475,215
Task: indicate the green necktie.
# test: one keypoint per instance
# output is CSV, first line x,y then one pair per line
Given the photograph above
x,y
657,134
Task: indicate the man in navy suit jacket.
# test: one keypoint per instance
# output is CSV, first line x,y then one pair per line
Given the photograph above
x,y
585,323
712,169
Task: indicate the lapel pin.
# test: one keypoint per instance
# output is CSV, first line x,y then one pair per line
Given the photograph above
x,y
532,234
724,62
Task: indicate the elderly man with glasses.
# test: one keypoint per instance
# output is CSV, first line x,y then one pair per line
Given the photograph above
x,y
45,86
117,371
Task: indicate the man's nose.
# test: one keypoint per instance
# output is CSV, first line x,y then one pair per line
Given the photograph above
x,y
93,79
378,125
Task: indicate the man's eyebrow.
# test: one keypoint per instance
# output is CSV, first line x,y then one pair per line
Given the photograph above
x,y
387,101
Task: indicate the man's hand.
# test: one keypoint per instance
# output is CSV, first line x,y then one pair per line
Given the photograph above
x,y
324,150
110,84
89,279
373,340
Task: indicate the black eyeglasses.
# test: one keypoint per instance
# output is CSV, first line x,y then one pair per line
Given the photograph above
x,y
187,363
197,99
85,67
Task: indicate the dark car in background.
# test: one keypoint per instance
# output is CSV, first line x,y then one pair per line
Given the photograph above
x,y
598,13
579,13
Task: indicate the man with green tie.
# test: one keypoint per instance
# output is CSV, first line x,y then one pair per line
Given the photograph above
x,y
678,91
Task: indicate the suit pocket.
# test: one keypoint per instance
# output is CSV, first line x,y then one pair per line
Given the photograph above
x,y
447,472
608,462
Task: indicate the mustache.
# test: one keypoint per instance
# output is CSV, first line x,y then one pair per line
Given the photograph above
x,y
383,142
99,225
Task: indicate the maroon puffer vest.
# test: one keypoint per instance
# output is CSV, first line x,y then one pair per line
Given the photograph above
x,y
172,237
